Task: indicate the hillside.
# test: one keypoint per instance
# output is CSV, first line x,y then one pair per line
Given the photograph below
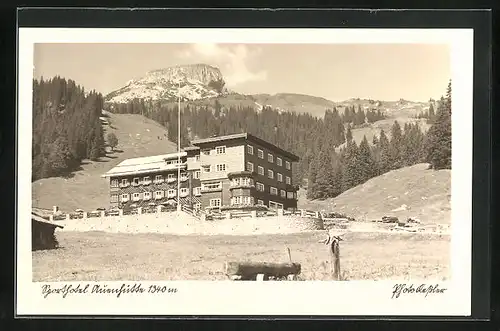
x,y
85,189
424,192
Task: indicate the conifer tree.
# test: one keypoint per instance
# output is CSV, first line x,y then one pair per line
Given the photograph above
x,y
395,147
365,162
438,140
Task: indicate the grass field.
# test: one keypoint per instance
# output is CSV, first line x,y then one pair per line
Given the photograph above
x,y
99,256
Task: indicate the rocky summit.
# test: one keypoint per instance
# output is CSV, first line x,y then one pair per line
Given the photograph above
x,y
190,82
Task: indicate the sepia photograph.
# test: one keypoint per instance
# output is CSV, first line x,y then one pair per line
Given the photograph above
x,y
246,162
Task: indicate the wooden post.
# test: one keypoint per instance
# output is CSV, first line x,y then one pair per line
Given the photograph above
x,y
158,209
253,213
120,212
84,214
280,212
139,210
103,213
303,213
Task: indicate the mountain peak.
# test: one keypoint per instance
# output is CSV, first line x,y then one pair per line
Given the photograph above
x,y
190,82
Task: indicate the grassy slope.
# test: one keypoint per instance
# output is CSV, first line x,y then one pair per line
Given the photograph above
x,y
426,192
137,136
111,256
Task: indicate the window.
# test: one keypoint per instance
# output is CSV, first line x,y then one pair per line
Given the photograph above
x,y
197,191
250,149
220,150
171,177
124,182
260,153
221,167
196,174
184,176
289,195
274,191
288,180
184,191
260,170
136,196
158,178
260,202
158,194
114,198
206,168
270,157
125,197
197,158
215,202
280,177
135,181
279,161
270,173
236,200
283,193
275,205
197,206
288,166
260,187
147,180
171,193
146,196
205,151
250,166
114,183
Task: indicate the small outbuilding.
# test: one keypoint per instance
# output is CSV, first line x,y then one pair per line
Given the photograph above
x,y
43,233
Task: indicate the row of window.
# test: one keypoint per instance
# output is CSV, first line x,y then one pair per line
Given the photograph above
x,y
147,180
270,157
243,201
270,173
274,191
218,150
149,195
218,167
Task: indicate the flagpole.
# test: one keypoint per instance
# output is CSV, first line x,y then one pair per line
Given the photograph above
x,y
179,150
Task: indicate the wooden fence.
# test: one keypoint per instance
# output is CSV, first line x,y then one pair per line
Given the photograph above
x,y
212,215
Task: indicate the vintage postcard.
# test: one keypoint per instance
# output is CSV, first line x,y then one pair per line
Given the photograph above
x,y
244,172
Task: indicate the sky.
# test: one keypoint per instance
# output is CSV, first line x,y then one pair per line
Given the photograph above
x,y
337,72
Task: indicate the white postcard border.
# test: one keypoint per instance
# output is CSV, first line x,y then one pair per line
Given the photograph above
x,y
259,298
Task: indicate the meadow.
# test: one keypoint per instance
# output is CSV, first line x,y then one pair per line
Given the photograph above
x,y
102,256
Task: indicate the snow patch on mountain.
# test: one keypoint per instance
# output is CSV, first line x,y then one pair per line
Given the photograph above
x,y
189,82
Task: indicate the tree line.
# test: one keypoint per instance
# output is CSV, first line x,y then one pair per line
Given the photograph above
x,y
66,127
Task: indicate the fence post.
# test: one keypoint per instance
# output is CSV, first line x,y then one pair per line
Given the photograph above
x,y
120,212
67,217
303,213
253,213
280,212
139,210
158,209
84,214
228,215
103,213
316,214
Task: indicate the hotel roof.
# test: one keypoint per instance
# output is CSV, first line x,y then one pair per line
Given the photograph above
x,y
146,164
246,136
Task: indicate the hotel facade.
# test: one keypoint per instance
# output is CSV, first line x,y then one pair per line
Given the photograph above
x,y
230,171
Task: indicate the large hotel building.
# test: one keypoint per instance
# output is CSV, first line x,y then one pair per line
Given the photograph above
x,y
225,171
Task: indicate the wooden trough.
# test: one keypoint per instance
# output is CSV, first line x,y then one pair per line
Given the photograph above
x,y
262,270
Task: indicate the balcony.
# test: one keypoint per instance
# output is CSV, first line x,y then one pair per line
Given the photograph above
x,y
184,178
184,194
158,181
171,179
171,196
124,185
211,189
